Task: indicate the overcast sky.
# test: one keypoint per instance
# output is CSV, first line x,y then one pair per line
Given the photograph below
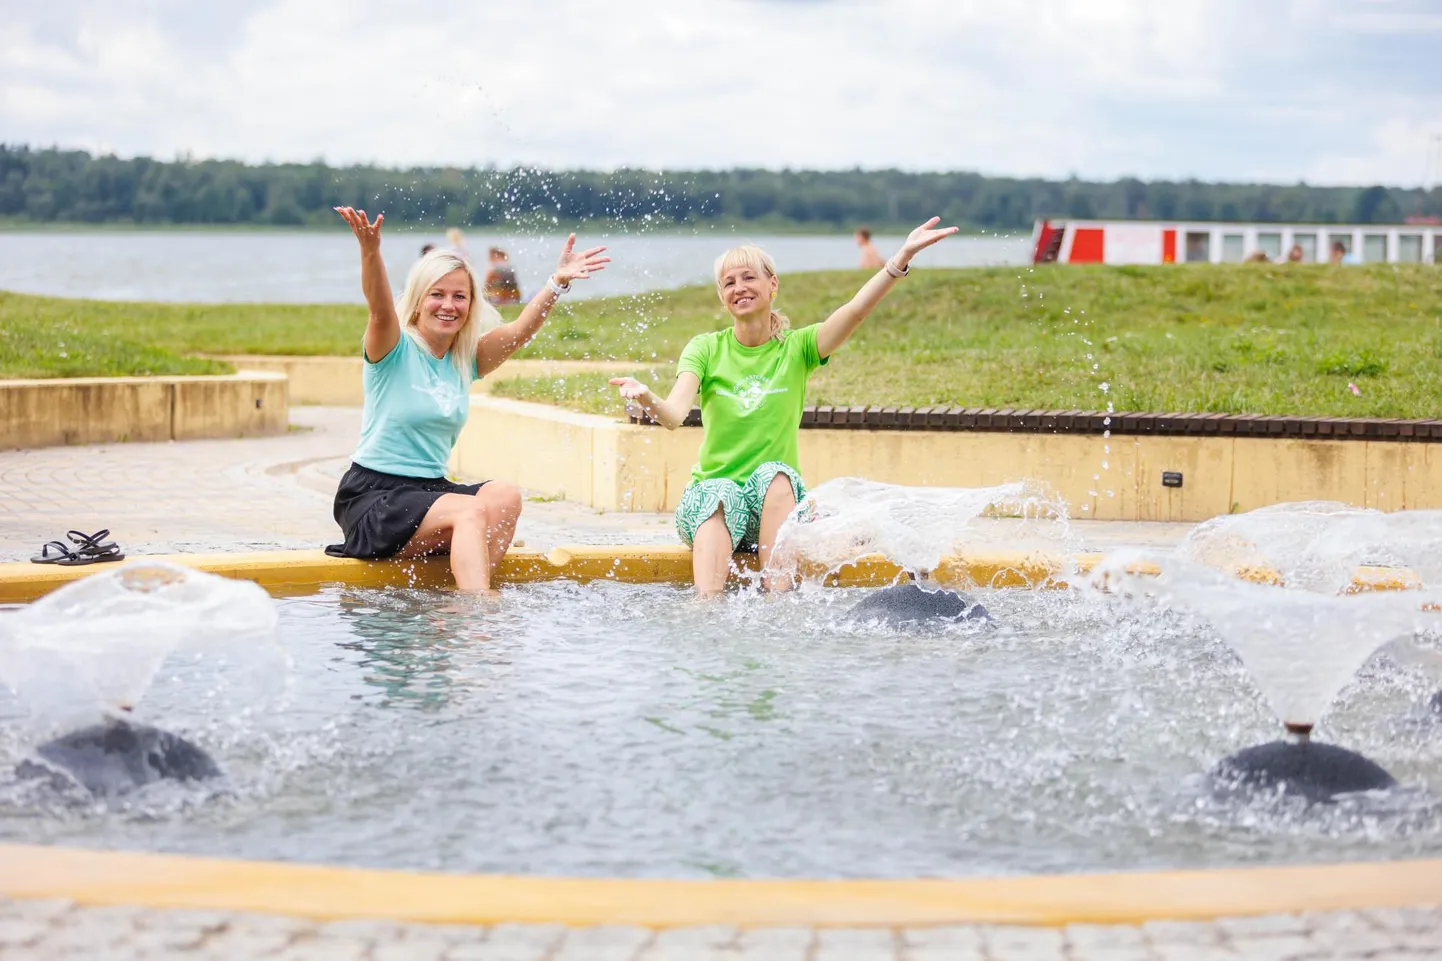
x,y
1329,91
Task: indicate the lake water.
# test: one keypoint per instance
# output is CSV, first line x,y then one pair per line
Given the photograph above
x,y
312,267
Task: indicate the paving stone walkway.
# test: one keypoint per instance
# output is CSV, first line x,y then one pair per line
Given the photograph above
x,y
46,930
264,493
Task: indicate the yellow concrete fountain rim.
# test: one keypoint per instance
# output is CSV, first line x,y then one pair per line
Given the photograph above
x,y
335,893
303,571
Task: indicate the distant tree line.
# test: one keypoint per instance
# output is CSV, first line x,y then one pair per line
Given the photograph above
x,y
51,185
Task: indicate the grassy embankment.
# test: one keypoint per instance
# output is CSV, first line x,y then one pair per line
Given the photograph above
x,y
1247,338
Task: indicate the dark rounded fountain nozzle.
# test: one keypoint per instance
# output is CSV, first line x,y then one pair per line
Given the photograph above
x,y
1435,704
911,605
116,757
1298,767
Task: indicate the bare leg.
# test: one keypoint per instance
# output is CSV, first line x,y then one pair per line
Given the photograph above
x,y
503,507
711,554
477,529
780,499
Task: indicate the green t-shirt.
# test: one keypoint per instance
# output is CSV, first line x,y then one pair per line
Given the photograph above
x,y
751,399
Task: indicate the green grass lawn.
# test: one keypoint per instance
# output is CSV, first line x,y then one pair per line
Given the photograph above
x,y
1282,339
1252,338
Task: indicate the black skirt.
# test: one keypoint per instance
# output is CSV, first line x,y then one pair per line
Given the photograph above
x,y
380,513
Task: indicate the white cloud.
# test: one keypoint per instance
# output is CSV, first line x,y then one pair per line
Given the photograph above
x,y
1097,87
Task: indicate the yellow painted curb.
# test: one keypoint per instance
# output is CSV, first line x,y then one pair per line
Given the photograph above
x,y
292,572
299,571
330,893
302,571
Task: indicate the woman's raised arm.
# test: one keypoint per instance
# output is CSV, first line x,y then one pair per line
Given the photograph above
x,y
505,340
383,328
843,322
669,413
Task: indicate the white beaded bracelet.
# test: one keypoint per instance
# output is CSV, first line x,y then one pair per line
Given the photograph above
x,y
556,288
895,271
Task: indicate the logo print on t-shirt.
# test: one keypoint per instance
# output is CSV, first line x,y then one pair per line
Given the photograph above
x,y
750,392
448,399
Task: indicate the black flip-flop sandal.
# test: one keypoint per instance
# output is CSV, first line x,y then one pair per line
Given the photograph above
x,y
96,541
89,549
53,553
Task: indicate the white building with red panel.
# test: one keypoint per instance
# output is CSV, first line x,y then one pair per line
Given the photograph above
x,y
1171,242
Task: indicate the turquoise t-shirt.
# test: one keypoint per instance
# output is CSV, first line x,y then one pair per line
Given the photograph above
x,y
415,406
751,399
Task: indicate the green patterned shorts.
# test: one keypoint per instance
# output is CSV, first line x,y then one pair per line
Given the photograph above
x,y
741,505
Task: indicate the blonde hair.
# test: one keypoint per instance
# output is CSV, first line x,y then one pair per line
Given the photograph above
x,y
481,317
749,255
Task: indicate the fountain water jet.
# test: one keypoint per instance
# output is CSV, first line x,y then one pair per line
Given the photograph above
x,y
1303,634
918,528
91,650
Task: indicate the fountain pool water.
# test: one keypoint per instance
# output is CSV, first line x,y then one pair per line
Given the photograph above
x,y
632,730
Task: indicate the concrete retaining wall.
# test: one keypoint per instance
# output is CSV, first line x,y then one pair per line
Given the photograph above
x,y
613,465
97,410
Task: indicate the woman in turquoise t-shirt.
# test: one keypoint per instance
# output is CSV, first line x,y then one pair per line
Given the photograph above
x,y
421,353
752,377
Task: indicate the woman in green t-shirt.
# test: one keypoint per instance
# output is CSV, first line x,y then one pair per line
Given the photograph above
x,y
752,380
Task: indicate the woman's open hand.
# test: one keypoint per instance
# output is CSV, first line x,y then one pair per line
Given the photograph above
x,y
369,234
630,388
921,238
573,265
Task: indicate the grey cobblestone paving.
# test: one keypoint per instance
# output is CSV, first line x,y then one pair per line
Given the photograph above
x,y
204,496
49,931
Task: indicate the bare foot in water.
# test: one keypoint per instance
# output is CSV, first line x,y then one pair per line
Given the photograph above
x,y
473,602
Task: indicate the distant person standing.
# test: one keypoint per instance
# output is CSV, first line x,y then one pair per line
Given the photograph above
x,y
1340,254
870,259
502,288
457,240
1295,255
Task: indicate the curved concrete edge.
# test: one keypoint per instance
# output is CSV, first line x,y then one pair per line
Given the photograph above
x,y
302,571
299,572
333,893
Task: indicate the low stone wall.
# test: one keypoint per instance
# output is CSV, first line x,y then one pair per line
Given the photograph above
x,y
327,381
611,464
97,410
336,381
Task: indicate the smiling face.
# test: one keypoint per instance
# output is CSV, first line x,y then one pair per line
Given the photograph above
x,y
445,305
747,291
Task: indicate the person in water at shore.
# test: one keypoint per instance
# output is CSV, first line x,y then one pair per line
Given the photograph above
x,y
870,259
751,377
422,351
502,287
